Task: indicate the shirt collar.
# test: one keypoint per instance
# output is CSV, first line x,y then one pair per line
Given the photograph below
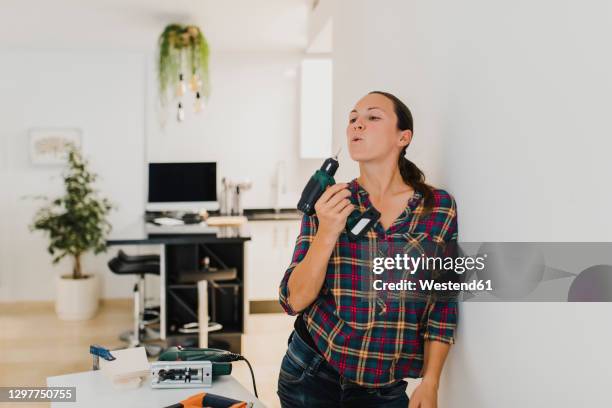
x,y
355,187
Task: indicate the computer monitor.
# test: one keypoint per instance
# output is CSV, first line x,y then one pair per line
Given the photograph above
x,y
182,187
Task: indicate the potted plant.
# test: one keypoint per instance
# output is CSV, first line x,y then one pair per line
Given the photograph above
x,y
75,223
183,50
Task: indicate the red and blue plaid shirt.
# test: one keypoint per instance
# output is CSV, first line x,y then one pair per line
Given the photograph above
x,y
376,342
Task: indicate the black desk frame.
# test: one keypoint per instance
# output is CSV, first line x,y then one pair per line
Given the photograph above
x,y
181,253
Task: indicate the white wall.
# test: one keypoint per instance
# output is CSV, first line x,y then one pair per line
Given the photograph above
x,y
100,93
369,56
529,101
510,103
250,123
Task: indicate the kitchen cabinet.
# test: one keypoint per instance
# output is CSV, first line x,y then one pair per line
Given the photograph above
x,y
269,254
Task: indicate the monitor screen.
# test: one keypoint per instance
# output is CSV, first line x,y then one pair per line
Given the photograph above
x,y
182,182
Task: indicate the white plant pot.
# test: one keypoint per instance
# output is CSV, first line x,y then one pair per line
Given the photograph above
x,y
76,299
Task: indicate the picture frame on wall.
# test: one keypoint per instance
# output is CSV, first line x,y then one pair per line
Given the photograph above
x,y
48,146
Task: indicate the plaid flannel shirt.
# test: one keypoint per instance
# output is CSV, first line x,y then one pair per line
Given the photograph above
x,y
376,342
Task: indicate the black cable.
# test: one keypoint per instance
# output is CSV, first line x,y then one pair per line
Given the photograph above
x,y
252,376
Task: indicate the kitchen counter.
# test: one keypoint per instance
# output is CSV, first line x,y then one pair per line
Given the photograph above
x,y
269,214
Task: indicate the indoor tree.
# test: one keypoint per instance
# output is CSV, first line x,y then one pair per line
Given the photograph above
x,y
75,222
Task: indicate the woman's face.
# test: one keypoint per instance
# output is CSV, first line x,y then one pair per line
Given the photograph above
x,y
372,132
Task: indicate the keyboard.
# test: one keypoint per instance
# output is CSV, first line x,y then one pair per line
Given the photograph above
x,y
168,221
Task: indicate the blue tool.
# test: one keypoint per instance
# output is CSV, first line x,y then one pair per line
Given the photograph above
x,y
97,352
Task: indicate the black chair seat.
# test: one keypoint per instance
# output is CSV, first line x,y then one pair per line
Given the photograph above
x,y
137,258
133,268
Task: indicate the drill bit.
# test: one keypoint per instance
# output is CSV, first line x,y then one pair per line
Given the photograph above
x,y
337,153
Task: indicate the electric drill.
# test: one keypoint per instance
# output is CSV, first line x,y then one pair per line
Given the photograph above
x,y
221,359
317,184
357,223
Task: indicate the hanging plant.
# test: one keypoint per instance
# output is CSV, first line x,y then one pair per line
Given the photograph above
x,y
183,51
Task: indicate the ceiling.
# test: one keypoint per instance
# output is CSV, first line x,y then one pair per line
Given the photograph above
x,y
229,25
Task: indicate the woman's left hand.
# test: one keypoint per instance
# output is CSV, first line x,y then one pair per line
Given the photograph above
x,y
424,396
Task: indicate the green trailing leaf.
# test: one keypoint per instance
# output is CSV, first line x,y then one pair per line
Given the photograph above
x,y
182,49
75,222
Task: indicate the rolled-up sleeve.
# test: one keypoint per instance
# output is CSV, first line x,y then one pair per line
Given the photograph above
x,y
441,321
302,244
442,315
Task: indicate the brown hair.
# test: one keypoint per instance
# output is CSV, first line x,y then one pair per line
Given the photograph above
x,y
411,174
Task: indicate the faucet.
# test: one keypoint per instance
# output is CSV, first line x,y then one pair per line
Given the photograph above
x,y
238,188
225,197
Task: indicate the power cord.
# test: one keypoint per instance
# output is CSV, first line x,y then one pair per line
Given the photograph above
x,y
252,376
229,357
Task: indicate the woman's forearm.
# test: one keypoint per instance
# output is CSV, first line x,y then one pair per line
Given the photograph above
x,y
434,357
308,276
306,279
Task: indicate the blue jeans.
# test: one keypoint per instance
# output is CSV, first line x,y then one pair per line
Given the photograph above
x,y
307,380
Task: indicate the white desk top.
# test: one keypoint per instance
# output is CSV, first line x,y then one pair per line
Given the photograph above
x,y
95,390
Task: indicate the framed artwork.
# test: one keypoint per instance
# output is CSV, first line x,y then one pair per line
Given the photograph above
x,y
48,145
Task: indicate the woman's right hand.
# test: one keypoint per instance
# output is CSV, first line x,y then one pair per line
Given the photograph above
x,y
333,208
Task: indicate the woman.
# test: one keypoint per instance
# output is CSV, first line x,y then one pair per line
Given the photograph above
x,y
346,350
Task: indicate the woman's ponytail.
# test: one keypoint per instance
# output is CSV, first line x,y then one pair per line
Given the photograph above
x,y
415,178
411,174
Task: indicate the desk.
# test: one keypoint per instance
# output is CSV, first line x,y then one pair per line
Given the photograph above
x,y
182,253
94,390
